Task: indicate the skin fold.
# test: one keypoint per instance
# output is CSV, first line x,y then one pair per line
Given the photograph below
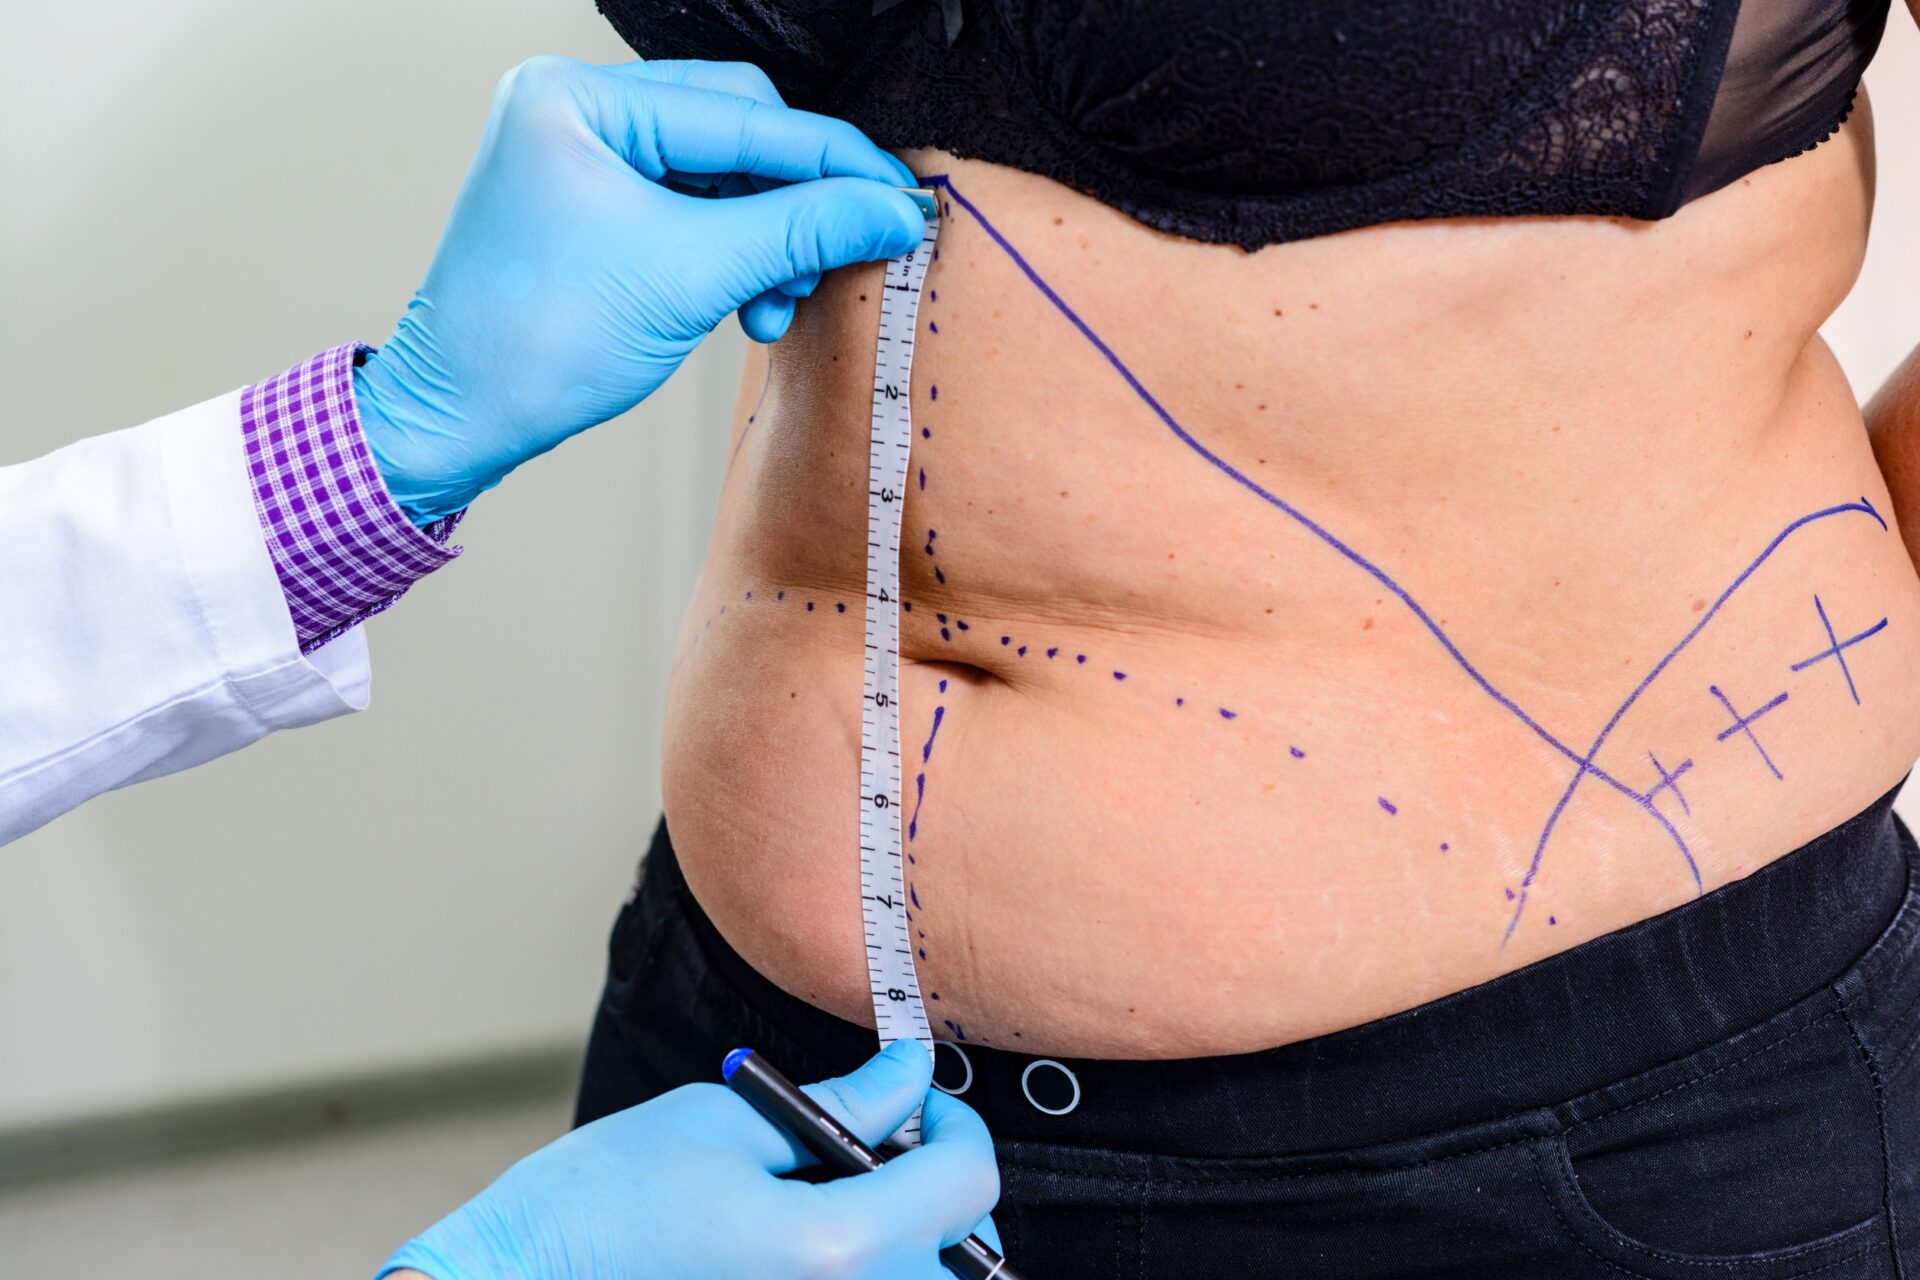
x,y
1428,503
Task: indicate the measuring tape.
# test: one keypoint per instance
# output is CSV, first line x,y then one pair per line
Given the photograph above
x,y
898,1010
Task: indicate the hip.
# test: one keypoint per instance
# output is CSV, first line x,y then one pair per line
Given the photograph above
x,y
1726,1087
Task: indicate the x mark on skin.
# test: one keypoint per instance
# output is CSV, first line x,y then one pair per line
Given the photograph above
x,y
1670,782
1744,724
1837,648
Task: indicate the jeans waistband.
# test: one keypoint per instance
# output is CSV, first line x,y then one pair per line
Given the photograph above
x,y
1597,1013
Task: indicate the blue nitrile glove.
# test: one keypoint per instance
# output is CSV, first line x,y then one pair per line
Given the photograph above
x,y
612,218
684,1188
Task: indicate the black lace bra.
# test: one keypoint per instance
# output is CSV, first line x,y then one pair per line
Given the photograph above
x,y
1251,123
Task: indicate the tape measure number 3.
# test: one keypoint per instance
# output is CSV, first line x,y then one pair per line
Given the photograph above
x,y
898,1010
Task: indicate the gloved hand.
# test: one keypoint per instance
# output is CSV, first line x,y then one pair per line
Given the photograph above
x,y
683,1188
580,267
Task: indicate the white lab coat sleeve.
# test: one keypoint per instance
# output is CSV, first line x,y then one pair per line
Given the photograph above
x,y
142,627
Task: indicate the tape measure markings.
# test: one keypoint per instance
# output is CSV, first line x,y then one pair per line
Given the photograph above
x,y
898,1010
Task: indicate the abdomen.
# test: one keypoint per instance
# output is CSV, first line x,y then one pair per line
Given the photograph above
x,y
1302,636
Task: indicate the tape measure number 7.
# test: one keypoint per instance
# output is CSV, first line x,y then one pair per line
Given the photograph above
x,y
898,1010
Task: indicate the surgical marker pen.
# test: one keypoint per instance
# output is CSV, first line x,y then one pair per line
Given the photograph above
x,y
838,1148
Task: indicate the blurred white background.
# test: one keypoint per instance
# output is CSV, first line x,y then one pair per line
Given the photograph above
x,y
199,193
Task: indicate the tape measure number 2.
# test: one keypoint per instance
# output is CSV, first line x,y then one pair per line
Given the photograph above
x,y
898,1010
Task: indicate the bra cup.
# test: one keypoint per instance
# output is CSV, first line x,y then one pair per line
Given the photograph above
x,y
1217,94
1256,122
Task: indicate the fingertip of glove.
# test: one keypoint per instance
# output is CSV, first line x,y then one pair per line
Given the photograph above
x,y
910,1052
767,317
907,229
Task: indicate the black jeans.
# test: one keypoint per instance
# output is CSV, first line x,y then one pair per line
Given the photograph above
x,y
1726,1091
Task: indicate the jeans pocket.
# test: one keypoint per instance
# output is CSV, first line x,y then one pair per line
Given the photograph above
x,y
1761,1156
1858,1252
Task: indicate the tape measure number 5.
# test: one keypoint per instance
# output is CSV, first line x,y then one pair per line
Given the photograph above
x,y
898,1010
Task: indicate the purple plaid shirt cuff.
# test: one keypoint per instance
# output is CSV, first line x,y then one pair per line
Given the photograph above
x,y
342,548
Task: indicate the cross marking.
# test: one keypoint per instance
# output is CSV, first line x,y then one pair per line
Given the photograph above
x,y
1670,782
1836,648
1744,724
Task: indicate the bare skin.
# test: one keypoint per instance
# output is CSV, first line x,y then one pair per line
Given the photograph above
x,y
1563,438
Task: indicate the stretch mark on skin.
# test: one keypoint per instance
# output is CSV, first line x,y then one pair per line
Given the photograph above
x,y
1583,762
1744,724
1670,782
1837,649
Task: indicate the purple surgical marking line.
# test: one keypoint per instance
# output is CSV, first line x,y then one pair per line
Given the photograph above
x,y
764,385
1080,658
1387,804
906,606
1837,647
946,635
940,576
1553,920
923,479
1585,763
1670,782
932,327
1444,846
958,622
943,686
1296,753
940,618
1053,653
780,596
926,433
1229,715
1006,639
809,606
1179,702
1021,651
1646,681
1509,895
939,714
914,894
933,393
1119,675
1744,724
919,798
840,608
749,595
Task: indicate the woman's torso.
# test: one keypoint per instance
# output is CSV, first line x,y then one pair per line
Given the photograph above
x,y
1419,510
